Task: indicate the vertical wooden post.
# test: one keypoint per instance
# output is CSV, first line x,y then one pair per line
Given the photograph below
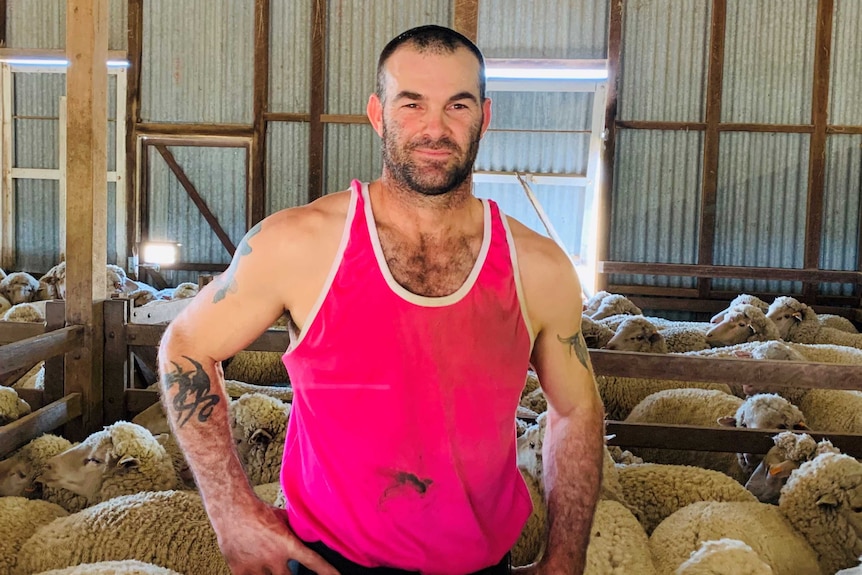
x,y
317,102
466,18
133,108
55,318
86,205
117,368
256,209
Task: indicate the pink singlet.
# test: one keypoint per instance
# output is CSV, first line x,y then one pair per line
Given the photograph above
x,y
400,449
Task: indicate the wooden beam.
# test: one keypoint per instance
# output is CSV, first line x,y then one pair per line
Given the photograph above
x,y
256,204
285,117
317,100
55,370
3,8
844,129
135,41
117,366
817,149
45,420
190,189
709,185
144,334
466,18
737,272
606,181
49,54
173,129
86,208
344,119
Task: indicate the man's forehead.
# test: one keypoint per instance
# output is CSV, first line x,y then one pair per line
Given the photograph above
x,y
456,70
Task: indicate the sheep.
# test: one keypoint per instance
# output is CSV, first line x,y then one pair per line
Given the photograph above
x,y
596,335
710,408
19,287
19,473
52,285
185,477
123,458
614,304
33,379
621,394
797,322
821,353
182,291
235,389
530,544
789,452
256,367
12,407
724,557
742,298
270,493
815,529
178,536
852,570
21,518
24,313
591,304
637,333
259,424
618,544
126,567
656,491
742,323
5,304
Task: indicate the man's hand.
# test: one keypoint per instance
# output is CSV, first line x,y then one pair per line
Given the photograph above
x,y
258,541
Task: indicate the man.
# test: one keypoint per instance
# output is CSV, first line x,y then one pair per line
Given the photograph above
x,y
416,309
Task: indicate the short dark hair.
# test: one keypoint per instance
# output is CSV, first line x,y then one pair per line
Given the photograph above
x,y
429,38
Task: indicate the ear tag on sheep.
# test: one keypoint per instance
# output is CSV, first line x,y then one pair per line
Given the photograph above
x,y
751,327
798,316
260,437
127,462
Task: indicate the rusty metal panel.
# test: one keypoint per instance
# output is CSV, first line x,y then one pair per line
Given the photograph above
x,y
761,206
664,60
845,85
655,204
356,33
568,29
769,61
287,165
37,225
352,152
198,61
289,63
839,249
42,24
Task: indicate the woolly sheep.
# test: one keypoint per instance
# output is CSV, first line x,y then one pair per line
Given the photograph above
x,y
797,322
259,424
615,304
19,472
818,352
153,419
531,542
256,367
742,298
235,389
52,285
21,518
657,490
5,304
591,304
710,408
24,312
618,544
596,335
127,567
19,287
178,536
185,477
742,323
123,458
790,451
852,570
621,394
33,379
12,407
270,493
185,290
637,333
724,557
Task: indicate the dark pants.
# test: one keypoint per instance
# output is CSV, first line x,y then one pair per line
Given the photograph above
x,y
346,567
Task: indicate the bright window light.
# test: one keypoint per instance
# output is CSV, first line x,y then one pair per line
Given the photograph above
x,y
56,62
159,252
545,73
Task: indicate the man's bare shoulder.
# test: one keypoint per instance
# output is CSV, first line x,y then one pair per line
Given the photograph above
x,y
310,221
536,253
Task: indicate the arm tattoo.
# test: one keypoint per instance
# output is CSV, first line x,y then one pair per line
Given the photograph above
x,y
193,389
577,344
228,283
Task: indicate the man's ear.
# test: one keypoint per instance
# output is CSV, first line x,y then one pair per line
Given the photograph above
x,y
374,110
486,115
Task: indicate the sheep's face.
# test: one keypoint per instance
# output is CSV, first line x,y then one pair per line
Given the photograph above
x,y
635,336
115,281
530,448
82,469
19,288
16,478
770,476
784,318
733,329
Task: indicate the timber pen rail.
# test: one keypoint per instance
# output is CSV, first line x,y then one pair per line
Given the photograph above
x,y
22,346
124,337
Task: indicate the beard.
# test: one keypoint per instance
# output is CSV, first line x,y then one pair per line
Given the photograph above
x,y
429,177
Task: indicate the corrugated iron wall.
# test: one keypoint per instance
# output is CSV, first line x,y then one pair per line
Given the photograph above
x,y
287,165
42,24
841,208
846,72
289,64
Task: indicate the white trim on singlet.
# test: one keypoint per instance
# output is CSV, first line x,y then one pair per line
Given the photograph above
x,y
519,287
336,263
421,300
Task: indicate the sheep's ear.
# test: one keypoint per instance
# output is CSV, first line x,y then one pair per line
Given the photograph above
x,y
781,470
752,328
654,337
828,500
798,316
128,462
260,437
801,426
727,421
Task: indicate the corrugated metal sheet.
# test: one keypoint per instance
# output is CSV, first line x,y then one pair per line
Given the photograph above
x,y
352,152
769,61
537,132
845,85
664,60
656,202
42,24
289,62
760,206
357,31
198,61
841,208
219,175
564,206
543,28
37,206
287,165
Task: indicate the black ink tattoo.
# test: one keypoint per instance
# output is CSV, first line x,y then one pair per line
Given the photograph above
x,y
577,344
193,395
227,281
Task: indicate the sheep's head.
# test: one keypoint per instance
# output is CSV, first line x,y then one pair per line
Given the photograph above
x,y
742,323
742,298
52,285
530,447
614,304
19,287
637,334
115,279
12,407
16,477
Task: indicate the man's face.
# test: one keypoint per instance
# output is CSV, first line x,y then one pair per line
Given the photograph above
x,y
432,119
